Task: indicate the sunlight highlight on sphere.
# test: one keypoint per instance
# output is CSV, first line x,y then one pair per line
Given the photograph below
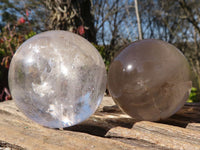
x,y
149,80
57,79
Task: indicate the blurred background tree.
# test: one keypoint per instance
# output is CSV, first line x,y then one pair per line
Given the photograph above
x,y
75,16
108,24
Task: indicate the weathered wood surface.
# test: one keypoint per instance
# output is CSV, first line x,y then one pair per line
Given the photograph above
x,y
108,128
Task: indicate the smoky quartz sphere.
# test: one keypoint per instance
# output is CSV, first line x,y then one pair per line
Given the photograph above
x,y
57,79
149,80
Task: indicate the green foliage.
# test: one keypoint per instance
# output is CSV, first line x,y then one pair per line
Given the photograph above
x,y
8,17
30,34
10,40
33,11
105,53
193,95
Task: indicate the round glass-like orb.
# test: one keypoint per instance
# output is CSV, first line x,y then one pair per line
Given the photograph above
x,y
57,79
149,80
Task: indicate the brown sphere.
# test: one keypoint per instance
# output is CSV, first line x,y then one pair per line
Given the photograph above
x,y
150,80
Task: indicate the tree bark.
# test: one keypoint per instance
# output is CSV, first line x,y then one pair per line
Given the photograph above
x,y
138,20
70,15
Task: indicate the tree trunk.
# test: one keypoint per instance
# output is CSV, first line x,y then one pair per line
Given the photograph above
x,y
138,20
75,16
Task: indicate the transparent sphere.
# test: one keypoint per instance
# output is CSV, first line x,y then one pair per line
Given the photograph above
x,y
57,79
149,80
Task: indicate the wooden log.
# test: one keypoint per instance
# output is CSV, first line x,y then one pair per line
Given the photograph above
x,y
18,132
175,132
16,129
194,126
164,141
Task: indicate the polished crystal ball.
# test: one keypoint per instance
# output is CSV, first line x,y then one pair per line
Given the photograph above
x,y
57,79
149,80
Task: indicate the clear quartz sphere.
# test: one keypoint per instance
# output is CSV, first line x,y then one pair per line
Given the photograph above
x,y
149,80
57,79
